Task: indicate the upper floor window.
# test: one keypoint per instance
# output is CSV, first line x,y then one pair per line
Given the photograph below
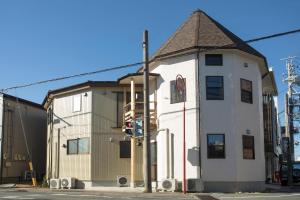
x,y
78,146
76,103
214,88
246,91
120,108
176,95
215,146
248,147
213,59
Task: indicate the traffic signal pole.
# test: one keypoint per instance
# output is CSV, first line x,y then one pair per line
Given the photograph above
x,y
146,145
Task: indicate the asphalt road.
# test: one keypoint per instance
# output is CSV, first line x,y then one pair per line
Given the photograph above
x,y
87,195
258,196
44,194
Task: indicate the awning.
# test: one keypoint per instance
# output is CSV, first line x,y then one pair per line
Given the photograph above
x,y
136,77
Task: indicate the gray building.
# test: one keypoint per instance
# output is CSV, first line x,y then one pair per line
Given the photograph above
x,y
21,121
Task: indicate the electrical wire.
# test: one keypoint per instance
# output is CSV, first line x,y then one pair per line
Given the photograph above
x,y
140,63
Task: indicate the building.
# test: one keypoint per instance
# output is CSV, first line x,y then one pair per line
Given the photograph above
x,y
21,121
272,132
224,108
225,147
85,138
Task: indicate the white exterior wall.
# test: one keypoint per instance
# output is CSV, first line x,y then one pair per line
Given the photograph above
x,y
72,125
229,116
171,116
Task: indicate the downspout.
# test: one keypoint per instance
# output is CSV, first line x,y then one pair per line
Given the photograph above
x,y
197,66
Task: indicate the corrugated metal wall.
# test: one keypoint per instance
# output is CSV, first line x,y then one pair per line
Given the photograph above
x,y
106,162
15,156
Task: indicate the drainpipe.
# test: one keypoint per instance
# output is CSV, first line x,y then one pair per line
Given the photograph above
x,y
197,66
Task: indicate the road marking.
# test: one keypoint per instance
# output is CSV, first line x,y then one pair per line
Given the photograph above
x,y
253,196
16,197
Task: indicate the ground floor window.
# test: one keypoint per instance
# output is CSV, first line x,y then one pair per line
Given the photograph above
x,y
248,147
125,149
78,146
215,146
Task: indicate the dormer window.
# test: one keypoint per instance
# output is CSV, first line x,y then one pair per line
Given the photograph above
x,y
213,59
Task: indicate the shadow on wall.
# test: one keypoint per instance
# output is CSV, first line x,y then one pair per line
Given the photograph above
x,y
193,156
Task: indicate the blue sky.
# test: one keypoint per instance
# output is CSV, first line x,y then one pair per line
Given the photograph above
x,y
45,39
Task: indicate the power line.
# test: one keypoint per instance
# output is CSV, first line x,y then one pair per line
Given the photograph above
x,y
73,76
140,63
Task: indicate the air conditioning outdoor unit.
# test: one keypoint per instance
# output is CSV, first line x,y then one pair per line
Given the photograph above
x,y
54,183
67,182
169,185
122,181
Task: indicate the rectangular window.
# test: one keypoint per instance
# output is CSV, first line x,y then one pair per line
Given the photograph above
x,y
176,95
215,146
125,149
78,146
77,103
214,88
246,91
213,59
248,147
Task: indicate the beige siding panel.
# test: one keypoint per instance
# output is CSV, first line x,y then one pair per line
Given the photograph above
x,y
106,162
72,125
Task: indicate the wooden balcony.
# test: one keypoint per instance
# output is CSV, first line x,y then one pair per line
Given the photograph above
x,y
139,113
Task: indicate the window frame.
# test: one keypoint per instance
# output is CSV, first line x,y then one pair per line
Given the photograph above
x,y
176,100
224,146
245,91
77,146
121,154
213,64
253,147
206,88
79,96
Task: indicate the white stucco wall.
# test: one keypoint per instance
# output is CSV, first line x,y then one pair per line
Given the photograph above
x,y
171,116
229,116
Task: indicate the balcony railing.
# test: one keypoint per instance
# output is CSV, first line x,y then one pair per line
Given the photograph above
x,y
139,113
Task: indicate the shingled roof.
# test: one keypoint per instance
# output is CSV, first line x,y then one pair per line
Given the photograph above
x,y
202,32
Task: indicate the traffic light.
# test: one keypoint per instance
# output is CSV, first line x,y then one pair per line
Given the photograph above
x,y
129,127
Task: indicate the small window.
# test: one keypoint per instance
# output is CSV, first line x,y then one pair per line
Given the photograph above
x,y
78,146
248,147
215,146
214,88
77,103
246,91
125,149
176,95
72,146
213,59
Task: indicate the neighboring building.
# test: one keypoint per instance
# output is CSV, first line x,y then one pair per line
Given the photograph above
x,y
272,132
85,139
14,155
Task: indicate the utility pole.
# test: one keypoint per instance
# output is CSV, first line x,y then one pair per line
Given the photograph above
x,y
146,149
292,80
